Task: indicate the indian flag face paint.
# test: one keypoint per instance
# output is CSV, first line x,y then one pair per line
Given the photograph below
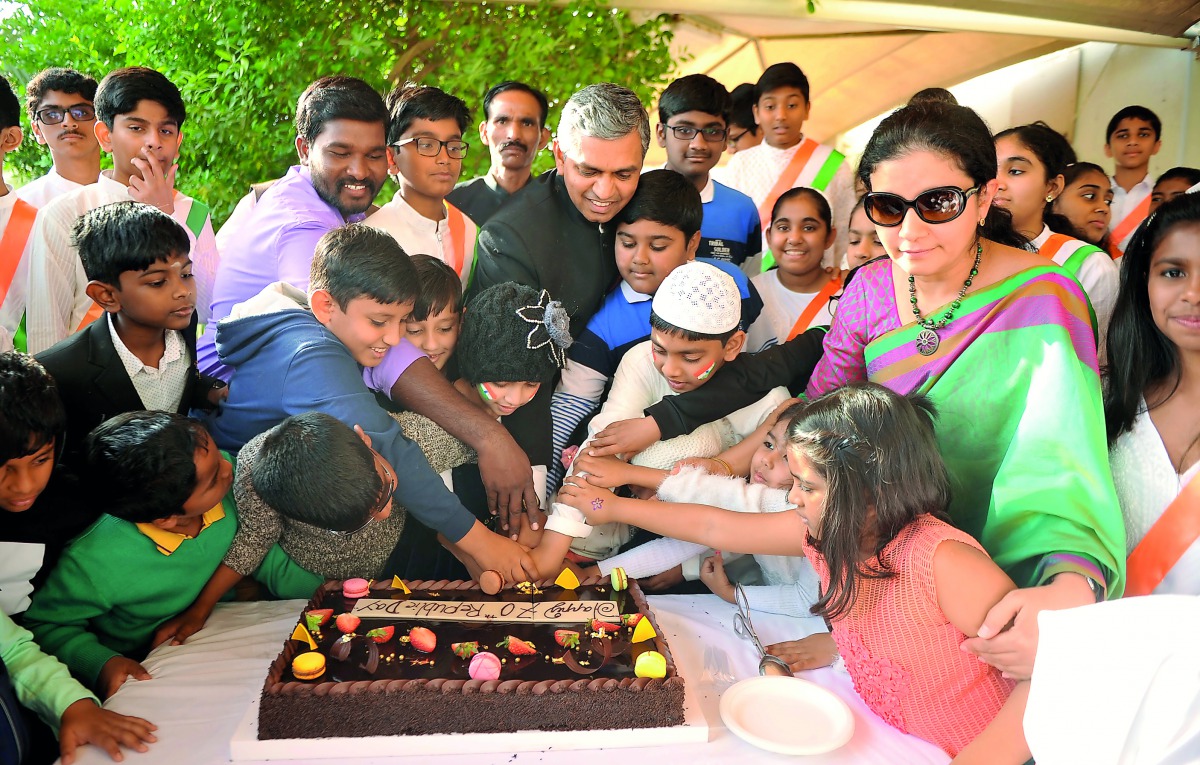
x,y
707,371
485,393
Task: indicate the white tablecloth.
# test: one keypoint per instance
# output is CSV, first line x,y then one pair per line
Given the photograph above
x,y
200,691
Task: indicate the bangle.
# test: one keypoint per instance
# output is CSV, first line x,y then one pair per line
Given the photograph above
x,y
724,464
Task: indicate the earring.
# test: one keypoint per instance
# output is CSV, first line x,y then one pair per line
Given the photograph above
x,y
981,220
1049,198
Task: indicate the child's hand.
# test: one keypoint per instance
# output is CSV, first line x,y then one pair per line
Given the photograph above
x,y
183,626
626,438
664,581
85,723
812,652
113,675
779,410
608,472
156,185
712,573
595,502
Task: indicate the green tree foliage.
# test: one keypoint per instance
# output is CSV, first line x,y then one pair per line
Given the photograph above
x,y
242,65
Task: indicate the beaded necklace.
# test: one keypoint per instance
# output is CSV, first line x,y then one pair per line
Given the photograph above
x,y
927,339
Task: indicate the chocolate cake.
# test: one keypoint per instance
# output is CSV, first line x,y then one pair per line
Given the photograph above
x,y
377,681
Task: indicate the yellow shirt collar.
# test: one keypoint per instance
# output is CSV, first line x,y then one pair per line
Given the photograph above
x,y
169,541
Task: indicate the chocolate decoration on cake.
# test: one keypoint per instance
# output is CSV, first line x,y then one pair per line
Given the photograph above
x,y
406,693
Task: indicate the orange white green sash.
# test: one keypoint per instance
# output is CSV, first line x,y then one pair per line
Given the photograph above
x,y
1175,531
813,165
1068,252
1127,226
12,244
457,223
819,301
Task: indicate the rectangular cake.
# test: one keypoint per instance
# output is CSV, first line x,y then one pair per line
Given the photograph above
x,y
566,660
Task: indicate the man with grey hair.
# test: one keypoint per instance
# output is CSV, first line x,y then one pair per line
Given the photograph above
x,y
552,234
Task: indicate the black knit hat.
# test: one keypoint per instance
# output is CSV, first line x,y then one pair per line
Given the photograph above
x,y
510,333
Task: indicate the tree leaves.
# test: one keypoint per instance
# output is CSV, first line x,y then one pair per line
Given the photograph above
x,y
241,66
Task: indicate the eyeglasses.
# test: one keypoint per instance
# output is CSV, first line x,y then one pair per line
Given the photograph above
x,y
733,139
687,133
389,490
431,147
940,205
52,115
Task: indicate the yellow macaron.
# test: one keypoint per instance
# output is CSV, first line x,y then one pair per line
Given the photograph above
x,y
308,666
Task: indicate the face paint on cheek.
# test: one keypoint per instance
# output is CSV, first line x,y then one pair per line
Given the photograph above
x,y
484,392
707,371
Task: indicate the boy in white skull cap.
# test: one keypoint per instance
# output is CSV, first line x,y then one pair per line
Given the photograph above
x,y
694,332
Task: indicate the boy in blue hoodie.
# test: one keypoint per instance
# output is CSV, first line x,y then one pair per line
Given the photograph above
x,y
294,353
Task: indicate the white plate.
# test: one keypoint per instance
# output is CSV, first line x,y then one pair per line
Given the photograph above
x,y
787,715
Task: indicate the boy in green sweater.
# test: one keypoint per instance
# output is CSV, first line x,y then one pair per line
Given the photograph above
x,y
170,517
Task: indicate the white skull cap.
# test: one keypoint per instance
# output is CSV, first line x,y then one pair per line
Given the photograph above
x,y
699,298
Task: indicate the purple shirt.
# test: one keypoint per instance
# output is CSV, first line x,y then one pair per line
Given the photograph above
x,y
274,241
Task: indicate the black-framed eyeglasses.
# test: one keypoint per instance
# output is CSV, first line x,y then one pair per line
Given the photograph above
x,y
687,132
733,139
389,490
52,115
940,205
431,147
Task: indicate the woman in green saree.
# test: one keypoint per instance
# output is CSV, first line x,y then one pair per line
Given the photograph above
x,y
1004,343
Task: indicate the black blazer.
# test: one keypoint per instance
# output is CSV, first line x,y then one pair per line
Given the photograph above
x,y
94,386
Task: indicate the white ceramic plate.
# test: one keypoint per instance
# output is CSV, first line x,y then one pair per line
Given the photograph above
x,y
787,715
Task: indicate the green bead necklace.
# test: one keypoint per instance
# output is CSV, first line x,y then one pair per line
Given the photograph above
x,y
927,339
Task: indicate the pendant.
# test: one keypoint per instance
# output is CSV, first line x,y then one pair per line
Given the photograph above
x,y
927,342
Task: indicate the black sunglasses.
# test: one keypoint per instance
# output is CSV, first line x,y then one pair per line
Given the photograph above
x,y
940,205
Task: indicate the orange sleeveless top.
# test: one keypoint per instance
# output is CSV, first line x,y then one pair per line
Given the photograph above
x,y
902,653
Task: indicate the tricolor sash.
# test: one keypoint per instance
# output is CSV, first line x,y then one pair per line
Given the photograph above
x,y
1020,422
1068,252
1175,531
813,165
820,300
194,221
1126,227
12,244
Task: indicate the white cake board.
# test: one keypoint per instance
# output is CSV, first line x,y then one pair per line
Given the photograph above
x,y
246,745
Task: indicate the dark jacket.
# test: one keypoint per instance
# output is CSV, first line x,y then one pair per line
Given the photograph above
x,y
94,385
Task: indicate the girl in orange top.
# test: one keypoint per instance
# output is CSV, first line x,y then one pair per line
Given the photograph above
x,y
901,587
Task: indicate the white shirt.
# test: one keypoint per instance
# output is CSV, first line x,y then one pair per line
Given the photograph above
x,y
418,234
755,171
638,384
1124,203
159,388
42,191
1099,276
781,309
56,302
1146,484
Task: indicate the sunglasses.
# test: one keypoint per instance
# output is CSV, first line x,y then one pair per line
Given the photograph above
x,y
52,115
940,205
389,489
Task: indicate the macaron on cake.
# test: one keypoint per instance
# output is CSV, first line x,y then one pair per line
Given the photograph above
x,y
484,666
356,588
308,666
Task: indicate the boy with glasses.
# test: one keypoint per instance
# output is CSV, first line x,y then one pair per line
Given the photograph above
x,y
59,102
425,137
743,131
693,114
786,158
139,120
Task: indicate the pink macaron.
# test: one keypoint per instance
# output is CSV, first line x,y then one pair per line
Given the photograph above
x,y
355,588
484,666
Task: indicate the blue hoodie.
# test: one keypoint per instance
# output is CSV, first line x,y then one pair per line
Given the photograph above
x,y
285,362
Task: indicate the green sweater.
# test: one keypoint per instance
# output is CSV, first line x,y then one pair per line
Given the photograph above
x,y
42,683
112,588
